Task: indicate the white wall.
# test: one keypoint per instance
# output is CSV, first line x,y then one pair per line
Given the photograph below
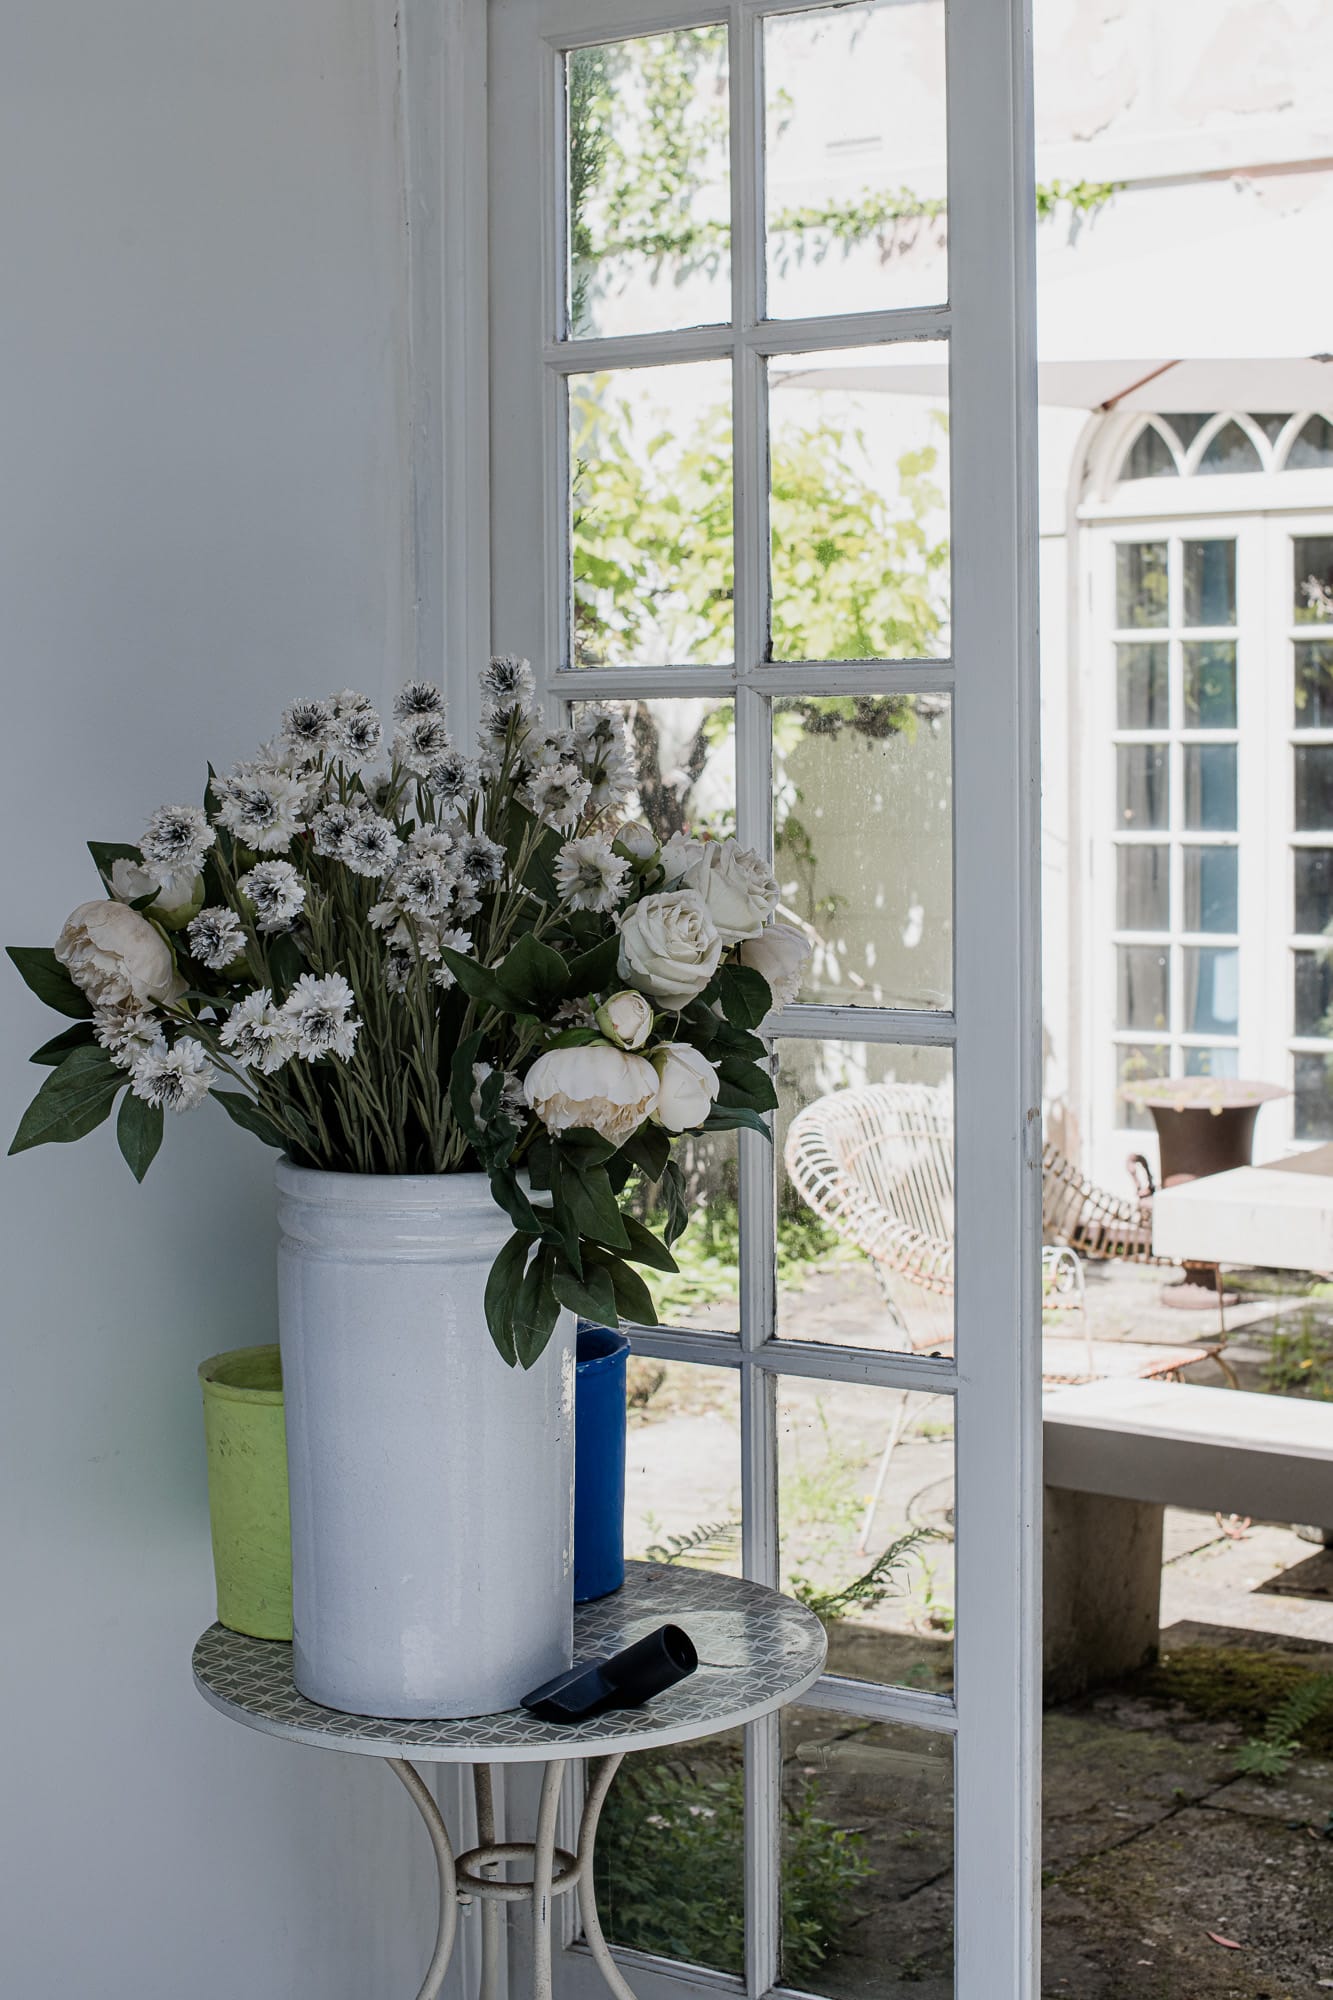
x,y
202,510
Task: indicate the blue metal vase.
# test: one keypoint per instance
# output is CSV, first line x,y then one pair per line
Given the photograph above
x,y
599,1462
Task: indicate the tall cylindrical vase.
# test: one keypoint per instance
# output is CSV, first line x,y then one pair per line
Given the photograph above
x,y
431,1485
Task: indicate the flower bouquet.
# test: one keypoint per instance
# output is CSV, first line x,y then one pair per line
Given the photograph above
x,y
404,960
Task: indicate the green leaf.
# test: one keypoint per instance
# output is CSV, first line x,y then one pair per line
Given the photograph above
x,y
738,1042
73,1100
593,970
536,1308
539,874
592,1295
532,977
745,994
461,1084
732,1118
644,1247
672,1189
105,852
634,1301
138,1133
510,1197
585,1196
574,1038
42,972
745,1083
649,1149
506,1275
285,964
243,1111
53,1053
479,984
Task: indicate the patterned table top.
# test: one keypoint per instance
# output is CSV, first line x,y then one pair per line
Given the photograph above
x,y
757,1651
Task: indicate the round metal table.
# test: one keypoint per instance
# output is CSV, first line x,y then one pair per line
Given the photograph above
x,y
757,1651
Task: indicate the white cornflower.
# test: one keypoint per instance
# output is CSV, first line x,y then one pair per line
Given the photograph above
x,y
417,698
370,845
175,1079
555,746
589,876
453,778
257,1035
558,795
174,843
422,884
596,727
331,828
481,861
308,726
506,721
128,1031
512,1102
421,741
507,679
318,1011
454,940
357,731
611,779
264,807
216,938
277,894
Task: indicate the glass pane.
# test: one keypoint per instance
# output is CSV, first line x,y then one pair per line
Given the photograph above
x,y
1210,787
1312,870
1149,457
854,146
867,1858
1142,698
650,474
1313,993
1143,987
1142,889
685,749
1210,583
1212,1062
1142,785
705,1290
1313,1116
859,515
649,183
1314,787
1137,1064
1140,583
1210,684
1312,577
875,1559
670,1854
1314,684
862,844
683,1464
1212,990
1210,889
864,1143
1312,447
1229,450
1187,426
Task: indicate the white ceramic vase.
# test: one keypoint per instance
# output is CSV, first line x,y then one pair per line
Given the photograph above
x,y
431,1486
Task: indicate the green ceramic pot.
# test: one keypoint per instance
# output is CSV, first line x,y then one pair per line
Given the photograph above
x,y
247,1491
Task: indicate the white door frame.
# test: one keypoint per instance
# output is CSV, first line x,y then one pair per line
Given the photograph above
x,y
992,676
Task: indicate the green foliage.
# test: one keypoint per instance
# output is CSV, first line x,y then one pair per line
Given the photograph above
x,y
1300,1361
1271,1754
708,1256
882,1580
712,1540
669,1864
1240,1685
73,1100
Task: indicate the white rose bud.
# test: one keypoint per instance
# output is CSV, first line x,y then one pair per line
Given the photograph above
x,y
687,1087
636,840
678,857
780,954
669,947
739,887
174,907
603,1089
625,1019
114,955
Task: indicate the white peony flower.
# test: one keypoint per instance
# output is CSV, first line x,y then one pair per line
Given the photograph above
x,y
318,1012
128,1031
174,843
669,947
589,876
626,1019
264,807
678,857
113,955
175,1079
257,1035
421,741
600,1088
172,906
309,727
739,887
687,1087
277,894
638,841
216,938
370,846
779,954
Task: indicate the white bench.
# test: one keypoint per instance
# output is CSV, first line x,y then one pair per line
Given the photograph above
x,y
1116,1455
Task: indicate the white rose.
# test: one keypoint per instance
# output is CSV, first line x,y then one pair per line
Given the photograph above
x,y
739,887
116,955
669,947
678,857
604,1089
625,1019
780,954
174,905
687,1087
637,840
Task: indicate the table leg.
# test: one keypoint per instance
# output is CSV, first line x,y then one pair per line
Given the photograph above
x,y
447,1926
492,1912
599,1784
543,1868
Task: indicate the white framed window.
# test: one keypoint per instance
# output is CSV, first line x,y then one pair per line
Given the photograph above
x,y
1205,539
666,480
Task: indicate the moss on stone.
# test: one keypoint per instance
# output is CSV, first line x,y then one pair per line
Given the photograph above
x,y
1235,1684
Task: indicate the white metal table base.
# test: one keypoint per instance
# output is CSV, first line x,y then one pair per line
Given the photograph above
x,y
477,1874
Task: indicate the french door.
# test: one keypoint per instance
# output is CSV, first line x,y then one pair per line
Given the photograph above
x,y
762,417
